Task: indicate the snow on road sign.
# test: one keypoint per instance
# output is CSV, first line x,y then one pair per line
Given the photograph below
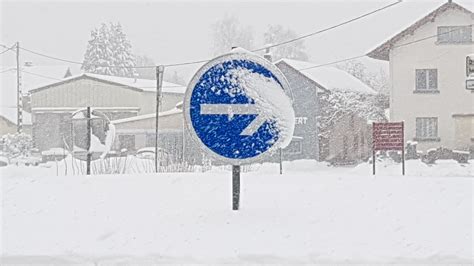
x,y
238,107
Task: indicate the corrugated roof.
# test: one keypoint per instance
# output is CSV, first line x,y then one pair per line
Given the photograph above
x,y
382,51
330,78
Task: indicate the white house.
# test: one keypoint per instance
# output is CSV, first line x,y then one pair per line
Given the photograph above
x,y
427,75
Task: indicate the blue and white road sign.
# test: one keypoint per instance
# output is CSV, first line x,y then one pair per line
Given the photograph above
x,y
237,106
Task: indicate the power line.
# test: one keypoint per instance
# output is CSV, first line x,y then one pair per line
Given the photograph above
x,y
401,45
7,48
332,63
432,36
330,28
51,57
6,70
307,68
206,60
39,75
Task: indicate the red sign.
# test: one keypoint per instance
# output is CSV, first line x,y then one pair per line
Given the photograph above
x,y
387,136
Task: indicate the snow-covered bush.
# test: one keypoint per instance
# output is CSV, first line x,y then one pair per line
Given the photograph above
x,y
18,144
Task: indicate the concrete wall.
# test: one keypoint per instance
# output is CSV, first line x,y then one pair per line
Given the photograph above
x,y
453,98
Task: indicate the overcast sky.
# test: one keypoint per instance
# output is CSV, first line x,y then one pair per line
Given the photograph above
x,y
172,31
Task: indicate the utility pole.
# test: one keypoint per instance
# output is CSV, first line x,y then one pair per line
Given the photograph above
x,y
89,140
19,100
159,82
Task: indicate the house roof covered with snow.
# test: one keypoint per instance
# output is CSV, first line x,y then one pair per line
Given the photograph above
x,y
145,85
382,51
329,78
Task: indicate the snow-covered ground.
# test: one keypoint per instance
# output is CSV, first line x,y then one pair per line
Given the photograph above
x,y
311,214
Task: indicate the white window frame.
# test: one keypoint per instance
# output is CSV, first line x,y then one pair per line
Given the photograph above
x,y
428,72
451,31
426,128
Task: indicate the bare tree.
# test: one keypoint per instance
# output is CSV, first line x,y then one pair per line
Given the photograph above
x,y
277,34
228,33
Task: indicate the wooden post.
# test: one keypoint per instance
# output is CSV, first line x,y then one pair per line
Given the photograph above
x,y
159,81
235,187
89,139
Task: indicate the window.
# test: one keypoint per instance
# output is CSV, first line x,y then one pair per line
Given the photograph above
x,y
426,127
426,80
454,34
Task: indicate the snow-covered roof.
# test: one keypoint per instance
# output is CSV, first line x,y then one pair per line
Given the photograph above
x,y
148,116
330,78
143,84
10,113
382,51
146,85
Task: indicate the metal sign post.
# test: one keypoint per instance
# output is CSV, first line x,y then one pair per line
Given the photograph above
x,y
386,137
224,116
235,187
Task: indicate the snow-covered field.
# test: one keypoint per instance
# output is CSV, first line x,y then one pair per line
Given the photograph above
x,y
311,214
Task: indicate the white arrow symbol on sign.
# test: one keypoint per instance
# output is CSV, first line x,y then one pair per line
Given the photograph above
x,y
236,109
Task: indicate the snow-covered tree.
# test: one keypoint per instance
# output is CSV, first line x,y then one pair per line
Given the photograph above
x,y
336,104
109,52
376,80
228,33
18,144
277,34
